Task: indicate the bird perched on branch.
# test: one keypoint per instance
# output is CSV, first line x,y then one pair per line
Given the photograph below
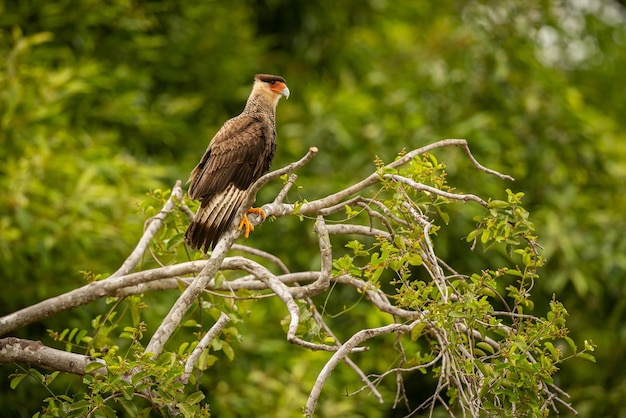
x,y
240,153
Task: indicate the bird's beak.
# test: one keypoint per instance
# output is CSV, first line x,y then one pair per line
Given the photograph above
x,y
285,92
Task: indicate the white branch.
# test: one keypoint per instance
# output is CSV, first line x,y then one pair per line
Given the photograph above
x,y
422,187
155,224
202,345
345,349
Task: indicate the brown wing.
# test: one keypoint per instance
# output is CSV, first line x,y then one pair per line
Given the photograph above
x,y
239,154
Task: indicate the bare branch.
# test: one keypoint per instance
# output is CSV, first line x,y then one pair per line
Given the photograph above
x,y
263,254
455,362
346,348
283,192
202,345
322,283
447,143
346,229
17,350
422,187
176,313
155,225
89,293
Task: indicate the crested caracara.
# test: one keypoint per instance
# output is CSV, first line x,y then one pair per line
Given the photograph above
x,y
240,153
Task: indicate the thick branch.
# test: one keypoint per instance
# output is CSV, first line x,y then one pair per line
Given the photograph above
x,y
17,350
182,304
315,206
89,293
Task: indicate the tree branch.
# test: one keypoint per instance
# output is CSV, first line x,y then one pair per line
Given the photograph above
x,y
17,350
345,349
202,345
155,224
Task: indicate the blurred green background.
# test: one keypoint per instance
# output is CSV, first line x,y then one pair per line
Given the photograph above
x,y
102,101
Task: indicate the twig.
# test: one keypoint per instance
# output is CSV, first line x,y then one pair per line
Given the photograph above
x,y
422,187
340,354
155,224
263,254
202,345
283,292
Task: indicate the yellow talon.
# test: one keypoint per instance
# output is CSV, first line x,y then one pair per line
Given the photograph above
x,y
258,211
245,222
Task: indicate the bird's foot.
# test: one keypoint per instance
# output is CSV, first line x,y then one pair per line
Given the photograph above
x,y
245,222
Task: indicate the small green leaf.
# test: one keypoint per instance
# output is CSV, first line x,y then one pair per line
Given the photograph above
x,y
138,377
63,334
186,409
182,348
497,204
129,407
228,350
91,367
79,337
571,344
586,356
72,334
17,379
416,332
195,397
552,350
83,404
485,347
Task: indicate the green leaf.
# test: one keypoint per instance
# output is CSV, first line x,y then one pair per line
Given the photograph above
x,y
195,397
228,350
91,367
186,409
485,347
414,259
138,377
552,350
572,344
72,334
586,356
16,380
494,204
129,407
63,334
416,332
82,404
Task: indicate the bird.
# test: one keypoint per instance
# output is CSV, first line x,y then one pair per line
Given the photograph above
x,y
238,155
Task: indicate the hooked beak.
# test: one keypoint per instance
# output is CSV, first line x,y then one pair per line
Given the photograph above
x,y
285,92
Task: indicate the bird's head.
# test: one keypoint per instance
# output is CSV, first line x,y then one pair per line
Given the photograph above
x,y
272,85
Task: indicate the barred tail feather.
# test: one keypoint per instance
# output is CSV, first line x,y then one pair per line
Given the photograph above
x,y
213,217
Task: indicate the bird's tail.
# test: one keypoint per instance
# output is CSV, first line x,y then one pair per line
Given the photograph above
x,y
213,217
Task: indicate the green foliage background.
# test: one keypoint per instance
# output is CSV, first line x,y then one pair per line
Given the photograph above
x,y
100,102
